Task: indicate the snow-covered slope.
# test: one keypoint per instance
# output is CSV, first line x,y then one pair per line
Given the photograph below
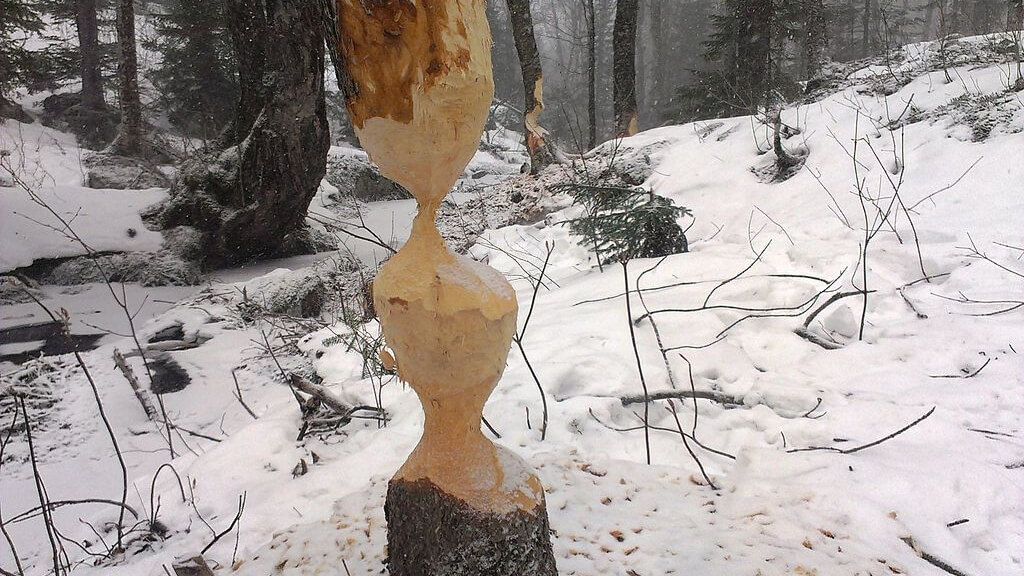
x,y
948,489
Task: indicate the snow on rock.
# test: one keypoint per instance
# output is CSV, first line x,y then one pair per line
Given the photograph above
x,y
106,220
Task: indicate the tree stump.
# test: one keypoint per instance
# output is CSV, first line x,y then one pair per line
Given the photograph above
x,y
431,532
418,89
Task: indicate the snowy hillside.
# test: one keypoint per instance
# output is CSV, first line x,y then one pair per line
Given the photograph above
x,y
788,414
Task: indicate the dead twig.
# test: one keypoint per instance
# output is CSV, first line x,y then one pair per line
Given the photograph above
x,y
521,333
64,321
686,443
3,525
238,395
54,504
234,522
639,364
869,444
930,558
661,429
966,375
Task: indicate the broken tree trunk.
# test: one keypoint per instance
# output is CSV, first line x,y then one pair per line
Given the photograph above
x,y
421,89
541,152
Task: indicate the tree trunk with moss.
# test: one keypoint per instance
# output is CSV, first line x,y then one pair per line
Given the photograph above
x,y
249,196
624,67
541,152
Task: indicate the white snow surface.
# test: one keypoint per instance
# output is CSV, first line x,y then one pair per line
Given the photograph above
x,y
953,484
49,163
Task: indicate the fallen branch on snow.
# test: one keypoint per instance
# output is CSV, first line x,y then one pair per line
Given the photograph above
x,y
869,444
931,559
133,380
718,397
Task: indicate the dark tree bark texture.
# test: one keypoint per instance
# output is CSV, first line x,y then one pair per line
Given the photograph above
x,y
815,41
660,55
541,153
865,30
249,197
1015,15
88,45
440,535
591,74
129,140
624,67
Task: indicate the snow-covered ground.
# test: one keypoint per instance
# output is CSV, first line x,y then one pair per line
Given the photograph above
x,y
949,489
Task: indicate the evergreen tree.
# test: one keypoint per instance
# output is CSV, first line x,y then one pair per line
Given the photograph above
x,y
748,68
196,79
622,223
19,66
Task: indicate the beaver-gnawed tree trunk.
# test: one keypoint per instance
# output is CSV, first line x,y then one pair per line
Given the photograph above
x,y
249,196
541,152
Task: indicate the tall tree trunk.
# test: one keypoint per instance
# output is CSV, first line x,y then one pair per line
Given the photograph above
x,y
929,19
641,62
1014,23
591,74
88,45
624,68
815,41
659,54
249,198
541,152
129,140
865,30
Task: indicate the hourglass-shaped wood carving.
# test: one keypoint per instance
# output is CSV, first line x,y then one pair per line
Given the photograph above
x,y
418,91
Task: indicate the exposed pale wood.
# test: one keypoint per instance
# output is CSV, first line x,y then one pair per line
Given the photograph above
x,y
423,88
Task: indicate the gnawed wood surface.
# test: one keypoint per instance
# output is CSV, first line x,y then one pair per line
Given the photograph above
x,y
423,89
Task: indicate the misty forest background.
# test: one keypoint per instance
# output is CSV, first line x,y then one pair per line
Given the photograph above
x,y
691,57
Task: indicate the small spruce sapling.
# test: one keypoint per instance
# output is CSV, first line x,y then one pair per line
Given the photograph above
x,y
622,223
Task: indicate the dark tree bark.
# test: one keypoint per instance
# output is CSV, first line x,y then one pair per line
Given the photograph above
x,y
660,54
624,67
249,197
929,19
89,46
129,140
956,17
591,74
541,152
865,30
815,41
425,522
1014,23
